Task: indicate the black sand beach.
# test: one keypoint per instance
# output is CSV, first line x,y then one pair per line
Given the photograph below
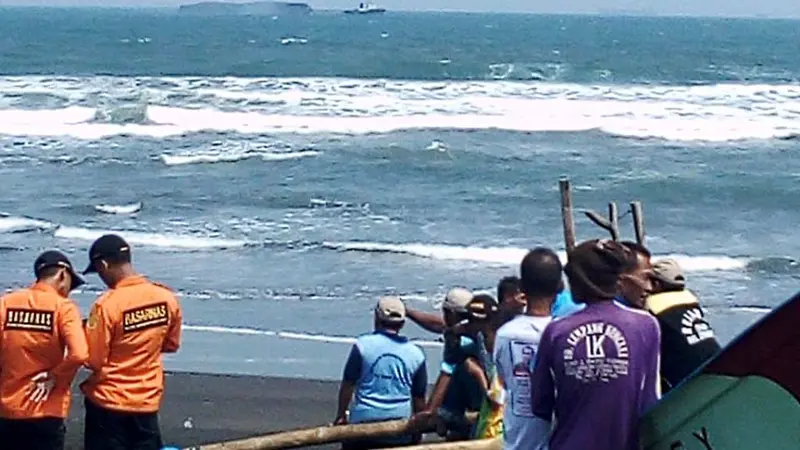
x,y
223,407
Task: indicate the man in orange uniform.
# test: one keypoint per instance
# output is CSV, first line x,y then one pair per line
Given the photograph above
x,y
37,324
129,327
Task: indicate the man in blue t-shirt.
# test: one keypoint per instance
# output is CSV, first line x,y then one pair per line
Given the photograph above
x,y
564,305
512,302
386,372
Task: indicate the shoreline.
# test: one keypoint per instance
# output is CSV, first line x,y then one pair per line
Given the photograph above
x,y
223,407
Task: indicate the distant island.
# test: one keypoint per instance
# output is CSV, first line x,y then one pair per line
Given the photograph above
x,y
264,8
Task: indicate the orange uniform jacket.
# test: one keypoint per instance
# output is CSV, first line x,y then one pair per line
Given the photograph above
x,y
37,324
128,329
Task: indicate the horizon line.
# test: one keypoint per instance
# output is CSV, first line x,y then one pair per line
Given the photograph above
x,y
628,14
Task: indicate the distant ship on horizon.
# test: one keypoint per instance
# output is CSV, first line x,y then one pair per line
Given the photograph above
x,y
365,8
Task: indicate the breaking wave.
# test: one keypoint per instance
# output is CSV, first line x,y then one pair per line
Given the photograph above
x,y
227,157
152,239
499,255
177,106
12,224
512,255
131,208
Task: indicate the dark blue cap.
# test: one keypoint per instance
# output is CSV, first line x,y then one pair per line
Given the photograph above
x,y
54,258
108,245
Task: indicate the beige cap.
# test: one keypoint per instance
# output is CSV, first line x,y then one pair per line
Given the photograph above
x,y
457,300
390,309
669,272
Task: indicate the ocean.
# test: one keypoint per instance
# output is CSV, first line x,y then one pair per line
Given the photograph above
x,y
291,170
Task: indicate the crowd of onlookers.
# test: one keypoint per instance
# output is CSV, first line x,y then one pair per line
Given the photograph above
x,y
543,366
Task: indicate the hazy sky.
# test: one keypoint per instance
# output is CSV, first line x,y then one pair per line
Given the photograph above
x,y
772,8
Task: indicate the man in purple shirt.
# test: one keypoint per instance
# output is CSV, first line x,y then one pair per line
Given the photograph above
x,y
596,372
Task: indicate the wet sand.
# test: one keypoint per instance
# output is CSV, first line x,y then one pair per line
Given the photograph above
x,y
223,407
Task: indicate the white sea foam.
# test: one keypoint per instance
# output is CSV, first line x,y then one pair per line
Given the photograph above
x,y
12,224
151,239
211,158
511,256
288,335
286,156
204,158
749,309
294,40
717,113
233,151
130,208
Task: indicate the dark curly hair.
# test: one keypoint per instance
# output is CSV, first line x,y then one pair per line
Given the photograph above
x,y
594,268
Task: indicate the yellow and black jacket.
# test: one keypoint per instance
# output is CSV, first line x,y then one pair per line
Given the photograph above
x,y
687,339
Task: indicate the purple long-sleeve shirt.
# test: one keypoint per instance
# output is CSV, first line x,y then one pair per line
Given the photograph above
x,y
597,371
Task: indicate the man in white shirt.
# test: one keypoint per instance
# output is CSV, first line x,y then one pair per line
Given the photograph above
x,y
516,345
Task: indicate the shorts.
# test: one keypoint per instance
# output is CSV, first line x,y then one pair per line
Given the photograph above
x,y
463,395
46,433
456,426
105,429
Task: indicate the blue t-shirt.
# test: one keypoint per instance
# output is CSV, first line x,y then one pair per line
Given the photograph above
x,y
388,371
456,350
464,392
564,305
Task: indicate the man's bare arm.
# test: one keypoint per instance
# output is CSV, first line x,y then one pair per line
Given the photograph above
x,y
431,322
345,395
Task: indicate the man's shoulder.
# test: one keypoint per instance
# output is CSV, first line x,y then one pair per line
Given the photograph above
x,y
42,299
570,321
378,338
637,318
141,294
622,316
523,325
458,347
67,304
417,349
509,327
633,314
664,301
505,331
364,337
14,295
159,289
102,300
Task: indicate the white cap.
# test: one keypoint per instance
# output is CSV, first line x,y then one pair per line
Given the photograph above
x,y
457,300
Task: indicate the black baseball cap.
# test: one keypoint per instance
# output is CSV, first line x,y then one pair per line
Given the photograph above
x,y
481,307
108,245
54,258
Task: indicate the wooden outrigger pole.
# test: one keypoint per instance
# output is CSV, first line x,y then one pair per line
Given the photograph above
x,y
638,221
610,224
324,435
567,218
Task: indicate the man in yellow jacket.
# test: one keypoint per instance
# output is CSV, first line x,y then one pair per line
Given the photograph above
x,y
687,339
